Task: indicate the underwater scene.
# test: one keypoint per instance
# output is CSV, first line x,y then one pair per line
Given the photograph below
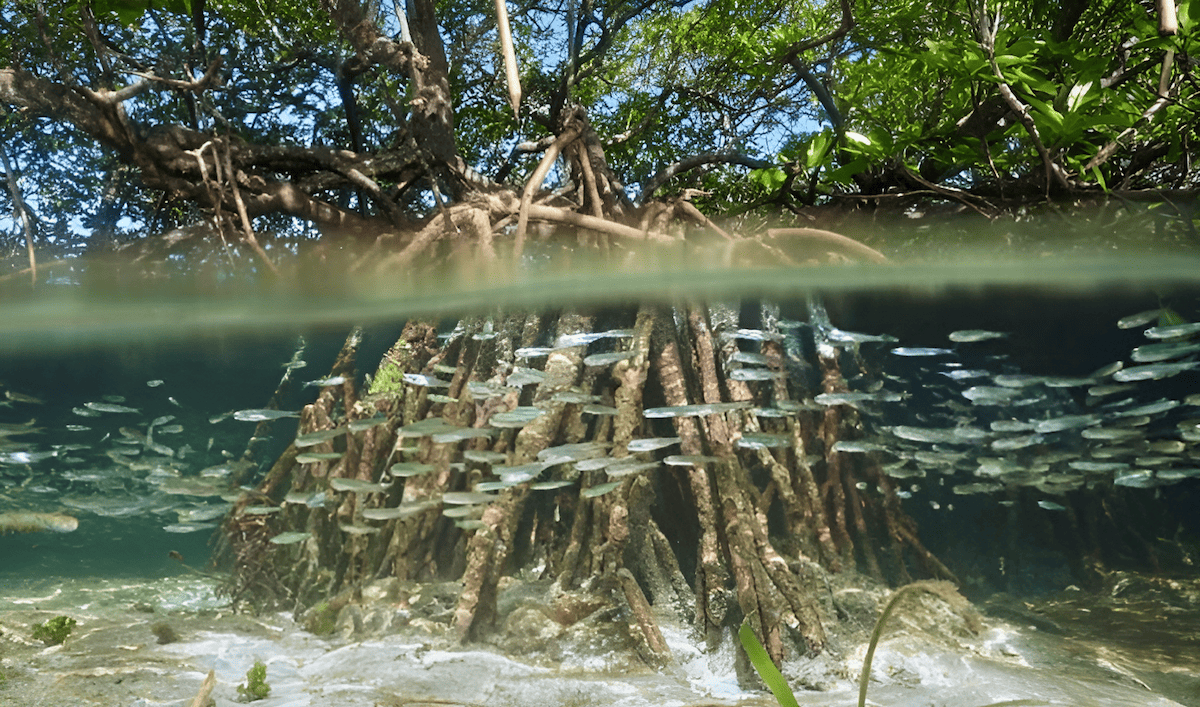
x,y
374,501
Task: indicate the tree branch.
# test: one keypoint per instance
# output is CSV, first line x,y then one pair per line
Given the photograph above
x,y
22,211
210,78
666,173
846,24
987,39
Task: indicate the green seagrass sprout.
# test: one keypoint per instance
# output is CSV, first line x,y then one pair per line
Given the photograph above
x,y
783,694
256,687
54,631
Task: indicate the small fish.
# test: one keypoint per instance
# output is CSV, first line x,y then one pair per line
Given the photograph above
x,y
1154,408
978,487
918,351
109,407
323,382
290,537
1153,371
569,340
1139,319
990,395
1017,380
1012,443
605,359
752,374
174,402
649,444
967,336
154,383
425,381
964,374
315,457
1052,506
852,399
356,486
533,352
857,447
751,335
693,410
754,359
467,498
1172,331
23,522
599,489
1150,353
1105,371
517,417
262,415
842,336
1066,422
22,398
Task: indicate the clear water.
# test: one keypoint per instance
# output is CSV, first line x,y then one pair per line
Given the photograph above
x,y
224,349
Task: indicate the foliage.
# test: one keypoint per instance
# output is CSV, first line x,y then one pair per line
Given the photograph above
x,y
910,99
54,631
256,687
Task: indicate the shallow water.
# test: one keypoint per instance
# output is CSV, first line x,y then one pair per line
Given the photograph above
x,y
217,355
114,658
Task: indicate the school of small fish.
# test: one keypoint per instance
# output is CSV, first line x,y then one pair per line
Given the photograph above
x,y
958,416
155,458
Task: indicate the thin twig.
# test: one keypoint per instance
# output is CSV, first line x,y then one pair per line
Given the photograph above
x,y
957,194
247,229
22,212
987,39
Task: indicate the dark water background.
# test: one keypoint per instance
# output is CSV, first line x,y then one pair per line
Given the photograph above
x,y
208,374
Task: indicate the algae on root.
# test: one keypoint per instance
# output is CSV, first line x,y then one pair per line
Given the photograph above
x,y
256,687
54,631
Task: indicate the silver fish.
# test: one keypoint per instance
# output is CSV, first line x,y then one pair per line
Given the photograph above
x,y
990,395
918,351
109,407
1139,319
967,336
262,415
1173,330
323,382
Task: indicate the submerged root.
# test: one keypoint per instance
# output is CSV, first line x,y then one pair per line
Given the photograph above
x,y
727,529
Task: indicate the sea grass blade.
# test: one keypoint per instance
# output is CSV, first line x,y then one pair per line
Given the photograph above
x,y
766,669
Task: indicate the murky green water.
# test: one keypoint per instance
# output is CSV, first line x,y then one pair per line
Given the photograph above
x,y
180,358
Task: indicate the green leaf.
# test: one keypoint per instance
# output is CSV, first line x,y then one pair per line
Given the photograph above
x,y
766,668
817,150
771,178
1075,98
843,173
1169,317
858,137
1054,118
1100,178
